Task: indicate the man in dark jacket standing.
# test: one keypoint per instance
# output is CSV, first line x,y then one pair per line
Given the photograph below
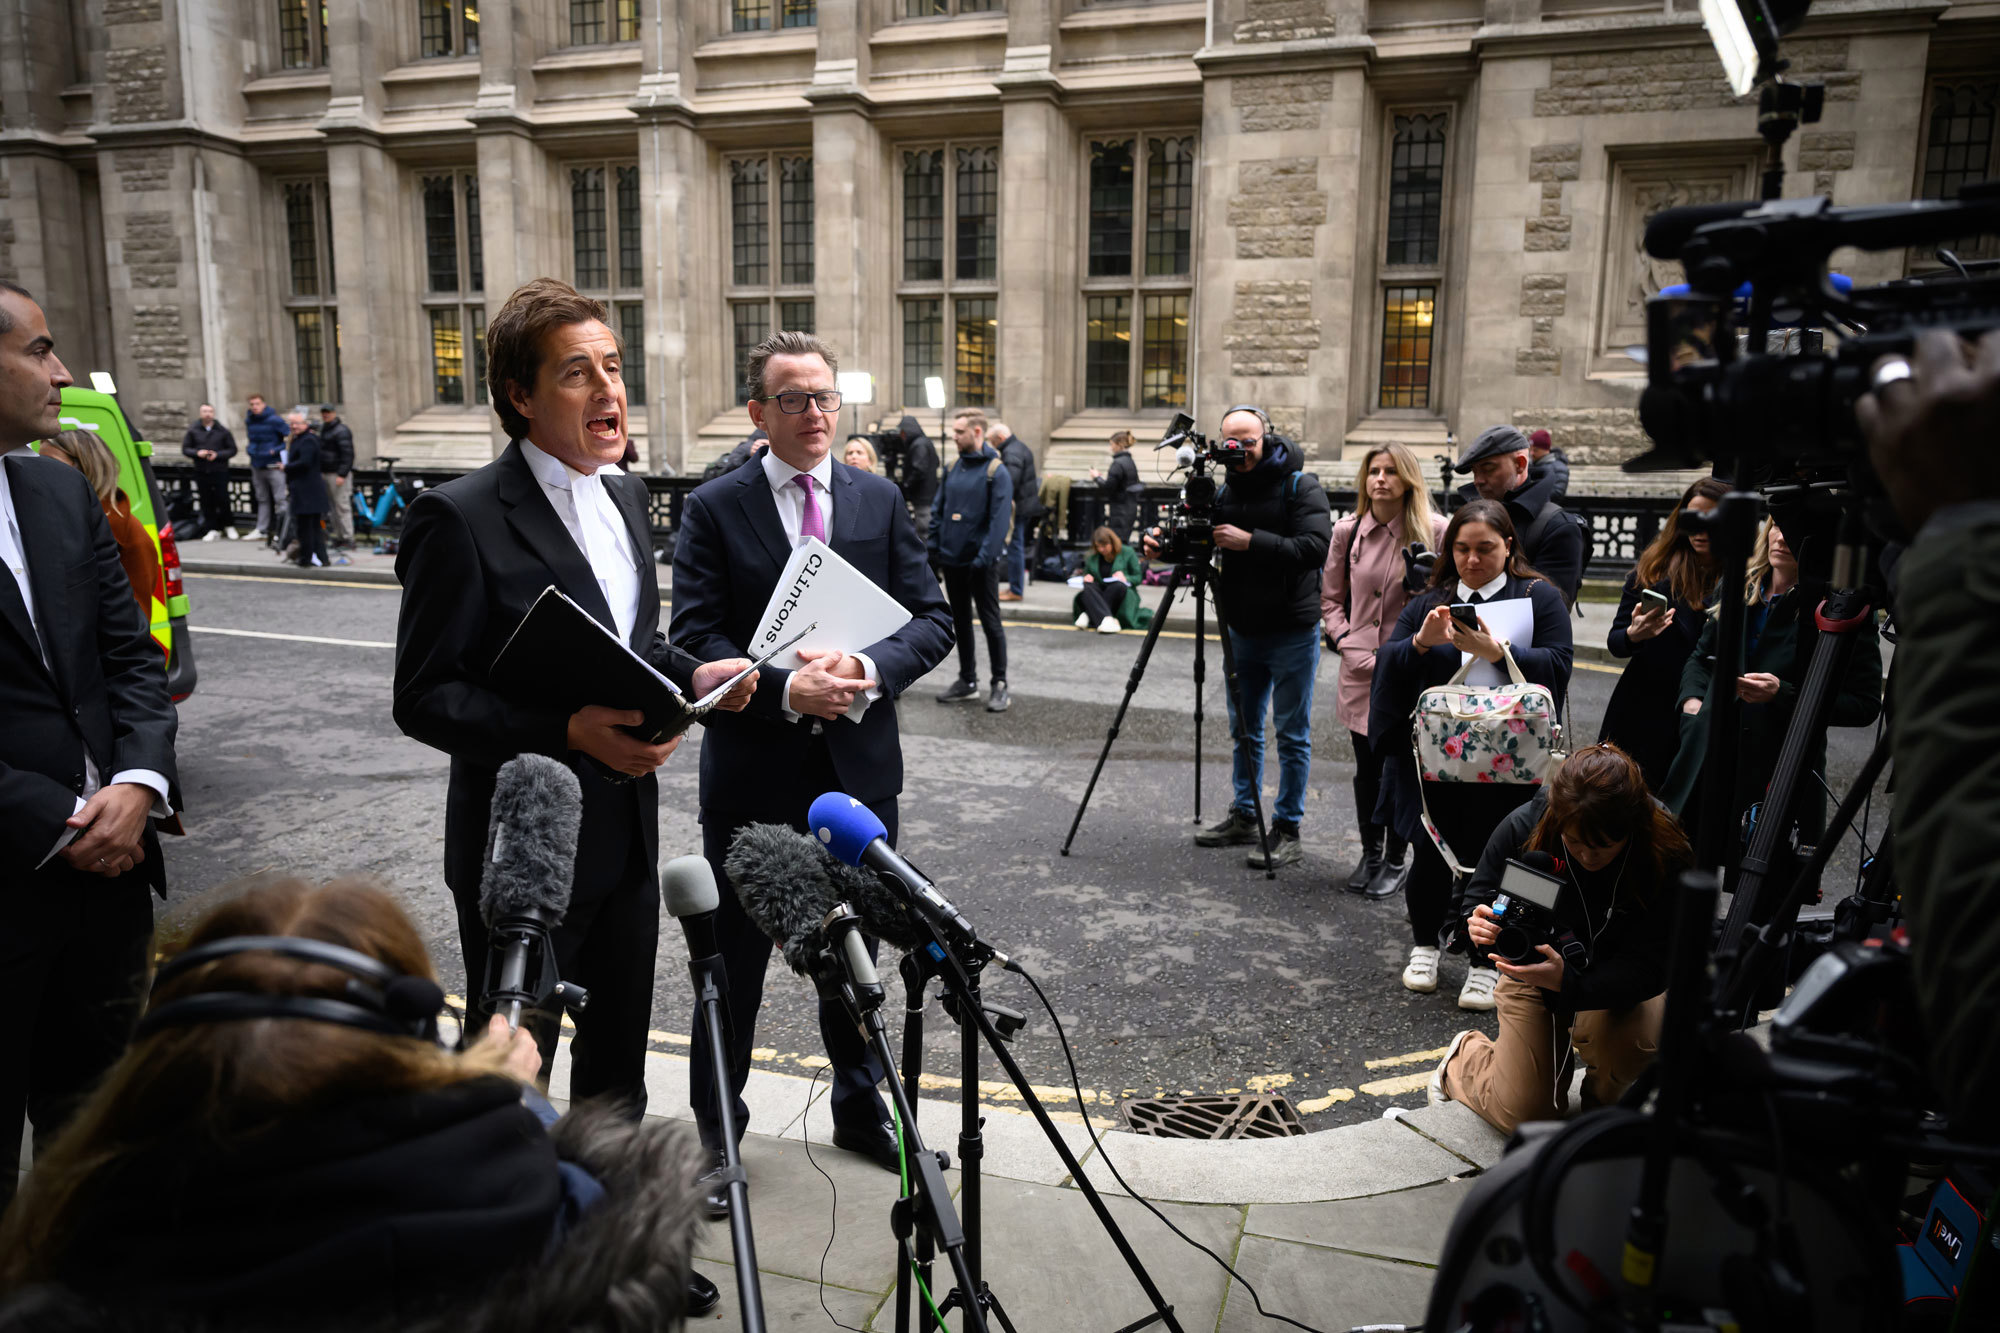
x,y
264,431
210,446
966,539
1545,460
920,473
336,468
1272,526
1020,461
1551,537
307,491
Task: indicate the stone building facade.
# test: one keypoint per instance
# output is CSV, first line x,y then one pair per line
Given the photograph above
x,y
1387,220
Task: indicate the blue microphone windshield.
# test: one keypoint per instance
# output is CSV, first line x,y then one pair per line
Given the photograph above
x,y
844,826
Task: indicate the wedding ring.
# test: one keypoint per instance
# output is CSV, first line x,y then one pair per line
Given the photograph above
x,y
1895,368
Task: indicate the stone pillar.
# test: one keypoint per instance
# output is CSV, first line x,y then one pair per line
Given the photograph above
x,y
853,307
1038,258
42,225
518,220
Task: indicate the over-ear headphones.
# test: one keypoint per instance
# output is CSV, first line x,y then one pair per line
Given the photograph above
x,y
1263,418
376,998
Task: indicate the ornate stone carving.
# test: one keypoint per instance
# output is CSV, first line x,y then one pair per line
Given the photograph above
x,y
1644,183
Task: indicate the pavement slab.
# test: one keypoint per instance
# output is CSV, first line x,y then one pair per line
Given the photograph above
x,y
1457,1128
1324,1288
1409,1225
795,1210
1372,1157
789,1303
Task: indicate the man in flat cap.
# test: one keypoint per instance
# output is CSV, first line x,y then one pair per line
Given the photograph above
x,y
1552,538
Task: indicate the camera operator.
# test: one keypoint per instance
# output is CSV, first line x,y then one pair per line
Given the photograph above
x,y
1619,851
920,473
1272,523
1552,538
1931,424
260,1170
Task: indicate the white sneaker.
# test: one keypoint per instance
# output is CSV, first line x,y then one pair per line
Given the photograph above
x,y
1108,625
1083,621
257,534
211,535
1435,1092
1477,992
231,534
1421,975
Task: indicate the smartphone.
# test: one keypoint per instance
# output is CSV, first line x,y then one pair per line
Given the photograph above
x,y
1654,600
1466,615
1530,885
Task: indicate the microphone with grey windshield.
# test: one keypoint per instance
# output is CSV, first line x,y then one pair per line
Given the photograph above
x,y
688,886
788,884
524,886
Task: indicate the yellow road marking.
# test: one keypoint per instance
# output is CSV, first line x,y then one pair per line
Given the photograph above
x,y
1396,1087
1333,1096
1412,1058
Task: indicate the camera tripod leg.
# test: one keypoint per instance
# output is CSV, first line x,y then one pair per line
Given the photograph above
x,y
920,1254
1244,720
1131,687
1200,674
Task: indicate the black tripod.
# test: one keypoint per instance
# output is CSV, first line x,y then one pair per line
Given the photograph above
x,y
1192,566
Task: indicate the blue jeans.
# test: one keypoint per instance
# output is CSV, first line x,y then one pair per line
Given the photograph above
x,y
1016,556
1277,669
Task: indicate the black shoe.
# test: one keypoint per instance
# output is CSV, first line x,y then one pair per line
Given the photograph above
x,y
960,691
1388,881
1235,830
1285,849
1371,858
999,700
714,1194
877,1145
703,1295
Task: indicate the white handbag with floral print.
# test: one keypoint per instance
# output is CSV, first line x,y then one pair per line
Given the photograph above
x,y
1504,734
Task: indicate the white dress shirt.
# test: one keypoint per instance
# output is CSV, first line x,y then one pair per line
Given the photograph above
x,y
596,526
14,555
1486,592
791,502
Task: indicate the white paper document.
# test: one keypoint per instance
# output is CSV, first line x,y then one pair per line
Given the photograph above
x,y
818,585
1513,623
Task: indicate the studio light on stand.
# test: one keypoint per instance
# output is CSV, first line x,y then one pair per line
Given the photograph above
x,y
857,389
934,396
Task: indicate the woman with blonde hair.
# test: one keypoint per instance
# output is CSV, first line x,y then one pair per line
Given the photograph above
x,y
1659,618
859,453
1122,487
82,450
1108,601
287,1144
1362,590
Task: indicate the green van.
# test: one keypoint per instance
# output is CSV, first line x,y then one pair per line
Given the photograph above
x,y
102,415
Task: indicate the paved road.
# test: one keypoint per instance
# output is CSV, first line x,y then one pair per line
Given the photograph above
x,y
1173,968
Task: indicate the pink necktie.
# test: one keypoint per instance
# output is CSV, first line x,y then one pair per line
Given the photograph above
x,y
814,524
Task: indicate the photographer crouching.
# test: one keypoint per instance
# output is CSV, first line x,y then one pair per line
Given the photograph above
x,y
1589,960
1272,524
285,1144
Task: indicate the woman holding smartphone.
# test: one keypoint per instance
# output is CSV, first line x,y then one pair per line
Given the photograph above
x,y
1615,855
1479,562
1659,618
1361,593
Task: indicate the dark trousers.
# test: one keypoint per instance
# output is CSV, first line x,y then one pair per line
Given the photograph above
x,y
73,961
607,944
967,586
1101,599
1466,813
311,530
213,488
746,953
1368,791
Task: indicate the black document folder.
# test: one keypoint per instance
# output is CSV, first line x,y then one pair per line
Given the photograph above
x,y
564,655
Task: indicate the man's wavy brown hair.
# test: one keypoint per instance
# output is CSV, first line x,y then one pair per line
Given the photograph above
x,y
514,340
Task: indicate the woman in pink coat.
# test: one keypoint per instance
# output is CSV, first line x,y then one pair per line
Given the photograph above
x,y
1361,594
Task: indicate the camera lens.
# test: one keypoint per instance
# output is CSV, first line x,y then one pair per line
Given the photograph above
x,y
1514,946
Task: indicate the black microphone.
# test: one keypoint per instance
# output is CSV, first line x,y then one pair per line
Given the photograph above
x,y
688,885
1670,228
1418,562
788,884
525,887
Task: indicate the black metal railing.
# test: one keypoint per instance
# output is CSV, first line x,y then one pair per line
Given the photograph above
x,y
1621,526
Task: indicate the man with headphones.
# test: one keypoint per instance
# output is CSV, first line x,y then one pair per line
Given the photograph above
x,y
1272,525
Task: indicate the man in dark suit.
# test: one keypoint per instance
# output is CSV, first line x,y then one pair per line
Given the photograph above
x,y
86,759
553,509
792,744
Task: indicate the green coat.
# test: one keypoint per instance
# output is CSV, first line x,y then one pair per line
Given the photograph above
x,y
1946,822
1131,614
1781,651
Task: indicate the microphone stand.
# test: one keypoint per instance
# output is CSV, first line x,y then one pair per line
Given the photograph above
x,y
710,981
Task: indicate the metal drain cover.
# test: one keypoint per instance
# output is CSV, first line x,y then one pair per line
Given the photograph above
x,y
1253,1115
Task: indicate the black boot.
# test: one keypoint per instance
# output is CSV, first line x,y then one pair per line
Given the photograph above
x,y
1370,863
1393,868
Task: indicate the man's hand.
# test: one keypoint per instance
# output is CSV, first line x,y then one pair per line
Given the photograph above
x,y
1759,687
1548,974
826,685
1690,706
594,729
1481,927
524,1058
113,823
1480,642
711,674
1231,538
1149,542
1649,623
208,454
1931,436
1435,632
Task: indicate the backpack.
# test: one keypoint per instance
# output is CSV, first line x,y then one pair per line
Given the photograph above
x,y
993,466
1531,539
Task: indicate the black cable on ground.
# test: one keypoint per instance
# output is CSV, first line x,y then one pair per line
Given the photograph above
x,y
833,1215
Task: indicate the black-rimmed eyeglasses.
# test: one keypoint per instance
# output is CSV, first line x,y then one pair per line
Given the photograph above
x,y
794,402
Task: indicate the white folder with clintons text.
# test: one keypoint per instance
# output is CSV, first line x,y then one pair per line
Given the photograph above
x,y
817,585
